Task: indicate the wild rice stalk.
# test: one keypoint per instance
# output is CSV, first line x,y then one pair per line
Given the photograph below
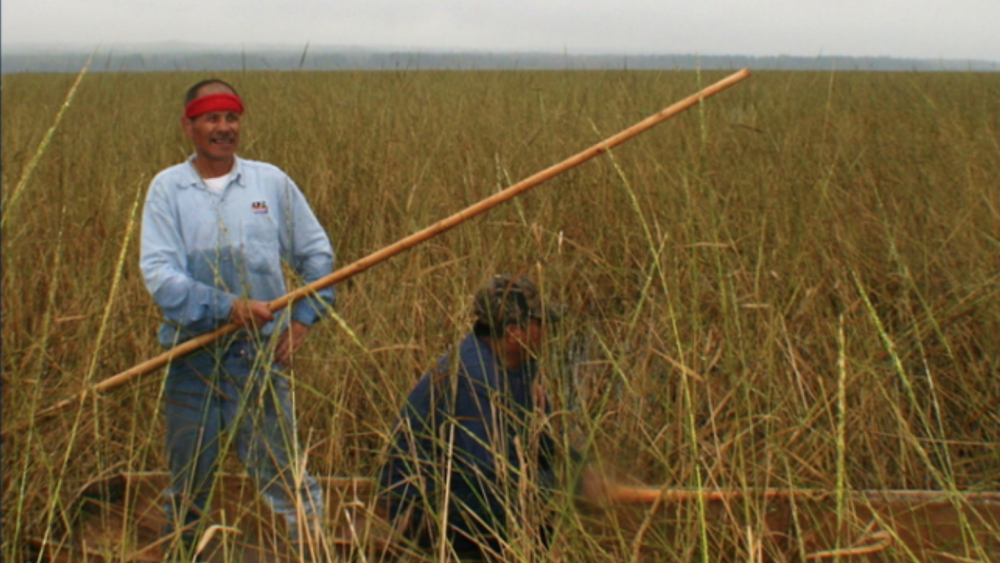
x,y
119,271
841,429
654,251
944,480
26,175
97,345
39,370
791,193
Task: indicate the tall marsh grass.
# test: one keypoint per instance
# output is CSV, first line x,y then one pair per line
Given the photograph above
x,y
796,284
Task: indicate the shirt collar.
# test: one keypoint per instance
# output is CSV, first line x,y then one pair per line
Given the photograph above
x,y
194,179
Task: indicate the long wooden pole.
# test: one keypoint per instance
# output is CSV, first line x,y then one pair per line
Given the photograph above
x,y
648,495
406,243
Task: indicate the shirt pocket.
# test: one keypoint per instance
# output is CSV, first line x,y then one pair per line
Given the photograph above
x,y
262,248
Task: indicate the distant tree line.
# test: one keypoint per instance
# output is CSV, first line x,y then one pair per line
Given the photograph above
x,y
354,59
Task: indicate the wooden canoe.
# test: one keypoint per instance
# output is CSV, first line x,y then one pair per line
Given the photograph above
x,y
119,519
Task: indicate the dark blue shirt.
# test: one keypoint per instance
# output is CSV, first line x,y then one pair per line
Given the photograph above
x,y
472,416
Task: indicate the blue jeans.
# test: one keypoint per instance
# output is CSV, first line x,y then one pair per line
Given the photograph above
x,y
232,395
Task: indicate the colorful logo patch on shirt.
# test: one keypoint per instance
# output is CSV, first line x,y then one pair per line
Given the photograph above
x,y
259,207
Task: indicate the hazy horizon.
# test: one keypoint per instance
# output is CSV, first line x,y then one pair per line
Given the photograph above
x,y
177,56
181,47
915,29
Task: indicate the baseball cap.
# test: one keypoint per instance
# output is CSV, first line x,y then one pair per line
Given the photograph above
x,y
507,299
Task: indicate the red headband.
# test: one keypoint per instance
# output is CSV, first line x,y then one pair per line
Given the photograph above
x,y
213,102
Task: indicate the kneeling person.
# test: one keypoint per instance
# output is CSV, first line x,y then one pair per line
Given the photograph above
x,y
469,440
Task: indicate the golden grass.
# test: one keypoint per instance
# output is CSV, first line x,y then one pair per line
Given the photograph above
x,y
794,285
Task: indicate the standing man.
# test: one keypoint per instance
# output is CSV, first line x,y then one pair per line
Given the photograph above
x,y
472,448
215,231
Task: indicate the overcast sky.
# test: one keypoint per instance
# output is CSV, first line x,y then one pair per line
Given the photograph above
x,y
937,29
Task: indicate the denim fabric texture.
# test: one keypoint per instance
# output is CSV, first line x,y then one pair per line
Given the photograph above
x,y
230,397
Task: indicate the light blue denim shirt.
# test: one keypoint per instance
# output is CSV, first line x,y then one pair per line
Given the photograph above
x,y
202,249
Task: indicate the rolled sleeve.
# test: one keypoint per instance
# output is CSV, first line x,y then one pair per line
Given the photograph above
x,y
310,254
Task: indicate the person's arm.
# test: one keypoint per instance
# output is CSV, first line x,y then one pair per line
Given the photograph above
x,y
289,341
195,306
481,440
248,313
307,249
477,434
589,485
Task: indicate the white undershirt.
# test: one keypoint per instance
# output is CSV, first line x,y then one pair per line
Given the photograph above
x,y
217,185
